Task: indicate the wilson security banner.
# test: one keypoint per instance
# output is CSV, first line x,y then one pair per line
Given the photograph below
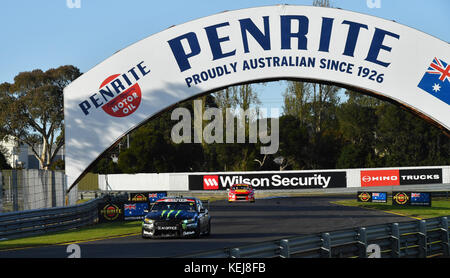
x,y
267,181
349,49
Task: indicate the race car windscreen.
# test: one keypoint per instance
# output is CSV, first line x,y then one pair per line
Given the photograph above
x,y
240,187
189,206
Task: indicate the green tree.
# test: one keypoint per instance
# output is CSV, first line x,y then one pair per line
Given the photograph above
x,y
294,143
403,139
296,100
151,150
357,121
33,110
235,156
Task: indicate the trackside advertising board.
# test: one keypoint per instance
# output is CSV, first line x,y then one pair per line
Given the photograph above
x,y
133,209
400,177
401,198
279,42
371,197
269,181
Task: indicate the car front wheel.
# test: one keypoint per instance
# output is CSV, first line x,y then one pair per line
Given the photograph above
x,y
208,232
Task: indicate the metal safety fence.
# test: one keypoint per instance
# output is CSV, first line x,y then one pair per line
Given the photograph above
x,y
41,221
415,239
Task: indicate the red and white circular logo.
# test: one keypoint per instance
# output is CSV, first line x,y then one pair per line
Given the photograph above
x,y
125,103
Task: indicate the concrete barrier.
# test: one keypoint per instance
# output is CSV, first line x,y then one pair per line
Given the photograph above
x,y
414,178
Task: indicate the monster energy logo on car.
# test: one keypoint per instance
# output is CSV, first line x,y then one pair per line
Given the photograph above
x,y
169,212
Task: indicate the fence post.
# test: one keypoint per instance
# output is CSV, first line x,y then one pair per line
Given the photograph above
x,y
422,239
362,240
284,252
326,245
395,240
52,188
235,253
15,190
445,237
64,189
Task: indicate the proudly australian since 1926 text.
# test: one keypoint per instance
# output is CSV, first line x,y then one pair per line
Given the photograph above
x,y
186,48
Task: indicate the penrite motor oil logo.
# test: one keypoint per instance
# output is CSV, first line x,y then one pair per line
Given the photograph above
x,y
111,212
125,103
372,197
138,197
119,95
364,196
400,198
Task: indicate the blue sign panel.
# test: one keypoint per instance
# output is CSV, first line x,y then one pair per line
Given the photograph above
x,y
379,197
420,199
134,210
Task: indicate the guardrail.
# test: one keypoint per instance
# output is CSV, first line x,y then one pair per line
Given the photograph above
x,y
40,221
415,239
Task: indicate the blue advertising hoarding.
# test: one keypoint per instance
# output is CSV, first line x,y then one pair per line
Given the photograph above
x,y
402,198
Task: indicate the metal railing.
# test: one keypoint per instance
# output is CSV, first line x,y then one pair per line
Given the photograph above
x,y
41,221
415,239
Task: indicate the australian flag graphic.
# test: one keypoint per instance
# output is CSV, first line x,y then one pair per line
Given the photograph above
x,y
436,80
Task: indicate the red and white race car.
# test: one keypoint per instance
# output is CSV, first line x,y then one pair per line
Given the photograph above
x,y
241,192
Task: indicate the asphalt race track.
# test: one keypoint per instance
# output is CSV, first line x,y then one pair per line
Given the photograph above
x,y
233,225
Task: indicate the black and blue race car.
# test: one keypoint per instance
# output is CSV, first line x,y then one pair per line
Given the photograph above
x,y
176,217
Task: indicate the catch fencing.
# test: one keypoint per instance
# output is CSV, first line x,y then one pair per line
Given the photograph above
x,y
414,239
30,189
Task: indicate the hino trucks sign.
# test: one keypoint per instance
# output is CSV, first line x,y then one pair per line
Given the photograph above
x,y
353,50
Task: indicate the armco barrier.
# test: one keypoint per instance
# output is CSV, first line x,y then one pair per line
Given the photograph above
x,y
415,239
40,221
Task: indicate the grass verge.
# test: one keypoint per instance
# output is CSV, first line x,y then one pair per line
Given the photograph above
x,y
94,232
91,233
439,207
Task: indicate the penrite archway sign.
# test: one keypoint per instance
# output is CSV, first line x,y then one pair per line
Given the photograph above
x,y
368,54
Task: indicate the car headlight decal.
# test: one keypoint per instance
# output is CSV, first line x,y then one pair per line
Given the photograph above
x,y
189,221
148,221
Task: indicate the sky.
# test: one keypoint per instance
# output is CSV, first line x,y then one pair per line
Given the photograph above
x,y
44,34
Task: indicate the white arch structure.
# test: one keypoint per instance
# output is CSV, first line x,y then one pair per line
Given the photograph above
x,y
366,53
